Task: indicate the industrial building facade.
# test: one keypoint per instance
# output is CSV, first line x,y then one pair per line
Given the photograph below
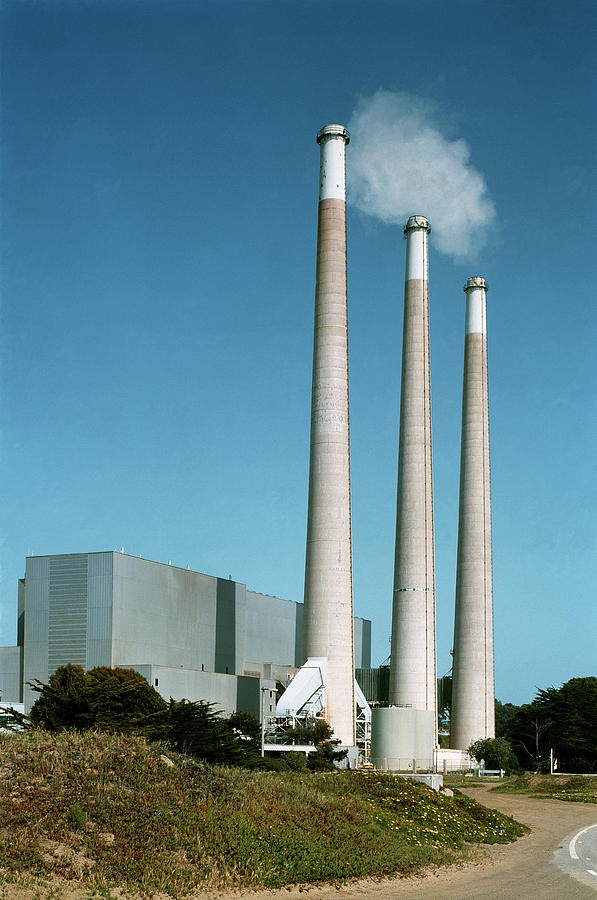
x,y
189,634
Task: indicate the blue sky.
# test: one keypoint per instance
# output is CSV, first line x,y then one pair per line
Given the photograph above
x,y
159,189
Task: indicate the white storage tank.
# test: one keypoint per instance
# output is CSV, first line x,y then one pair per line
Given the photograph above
x,y
401,736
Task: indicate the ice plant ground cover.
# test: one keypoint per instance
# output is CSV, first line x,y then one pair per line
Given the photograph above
x,y
110,812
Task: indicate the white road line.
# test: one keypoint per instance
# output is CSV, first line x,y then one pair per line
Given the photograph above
x,y
572,844
590,871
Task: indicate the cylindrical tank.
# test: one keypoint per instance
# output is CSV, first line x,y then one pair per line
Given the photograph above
x,y
412,661
473,715
393,737
327,623
426,727
401,736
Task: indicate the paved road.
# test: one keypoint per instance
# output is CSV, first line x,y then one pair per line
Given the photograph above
x,y
538,866
578,856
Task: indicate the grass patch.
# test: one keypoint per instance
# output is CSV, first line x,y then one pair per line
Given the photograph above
x,y
104,810
459,780
574,788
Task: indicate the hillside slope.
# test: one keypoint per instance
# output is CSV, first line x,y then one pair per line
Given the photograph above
x,y
112,811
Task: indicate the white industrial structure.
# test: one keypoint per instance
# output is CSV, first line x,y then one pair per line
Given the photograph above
x,y
412,657
412,661
473,691
327,624
306,699
328,640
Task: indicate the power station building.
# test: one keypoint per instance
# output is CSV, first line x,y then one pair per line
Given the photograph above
x,y
201,637
191,635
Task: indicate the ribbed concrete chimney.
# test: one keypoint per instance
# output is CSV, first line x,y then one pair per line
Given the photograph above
x,y
412,666
327,624
473,710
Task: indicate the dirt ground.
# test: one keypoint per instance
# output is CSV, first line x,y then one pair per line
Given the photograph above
x,y
520,871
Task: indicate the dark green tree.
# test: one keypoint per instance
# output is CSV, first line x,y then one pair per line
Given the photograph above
x,y
561,719
530,738
496,752
103,698
247,727
62,702
505,717
319,733
122,700
569,715
196,728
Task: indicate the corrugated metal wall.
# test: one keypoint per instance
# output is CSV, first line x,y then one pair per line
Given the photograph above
x,y
374,683
67,634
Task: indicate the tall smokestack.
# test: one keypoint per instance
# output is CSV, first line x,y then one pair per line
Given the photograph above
x,y
327,624
412,666
473,710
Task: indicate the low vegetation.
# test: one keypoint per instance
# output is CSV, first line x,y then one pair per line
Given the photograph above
x,y
576,788
112,810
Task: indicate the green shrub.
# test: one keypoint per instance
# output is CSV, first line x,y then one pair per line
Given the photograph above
x,y
319,733
496,752
62,702
76,816
197,729
295,760
247,727
102,699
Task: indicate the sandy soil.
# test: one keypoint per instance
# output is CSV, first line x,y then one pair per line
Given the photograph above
x,y
520,871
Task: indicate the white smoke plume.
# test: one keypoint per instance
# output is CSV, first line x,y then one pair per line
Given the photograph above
x,y
401,164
